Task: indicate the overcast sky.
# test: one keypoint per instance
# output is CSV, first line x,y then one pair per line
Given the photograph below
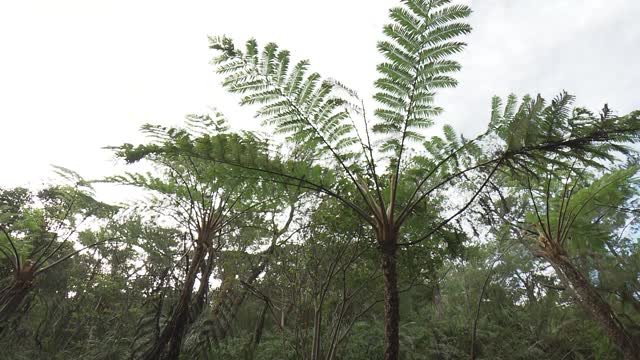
x,y
77,75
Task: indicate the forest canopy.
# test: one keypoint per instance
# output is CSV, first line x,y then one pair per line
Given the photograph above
x,y
346,233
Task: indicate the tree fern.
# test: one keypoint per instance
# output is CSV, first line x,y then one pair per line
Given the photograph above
x,y
318,121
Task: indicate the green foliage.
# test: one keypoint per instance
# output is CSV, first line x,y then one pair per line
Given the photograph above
x,y
298,104
420,41
268,249
538,134
242,157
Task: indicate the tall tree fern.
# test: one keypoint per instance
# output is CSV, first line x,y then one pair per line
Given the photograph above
x,y
386,169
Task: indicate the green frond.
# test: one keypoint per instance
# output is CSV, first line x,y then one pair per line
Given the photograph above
x,y
450,134
539,133
420,41
496,117
207,123
510,107
297,103
397,73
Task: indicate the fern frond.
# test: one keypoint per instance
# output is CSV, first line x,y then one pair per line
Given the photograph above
x,y
419,42
538,134
299,104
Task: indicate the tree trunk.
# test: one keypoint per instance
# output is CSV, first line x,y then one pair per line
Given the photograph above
x,y
436,297
12,296
173,332
206,268
317,323
391,300
587,296
250,350
11,299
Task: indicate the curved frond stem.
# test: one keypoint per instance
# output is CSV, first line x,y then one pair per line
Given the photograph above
x,y
537,211
415,192
13,246
9,257
599,136
411,206
547,196
46,248
565,200
42,258
301,180
374,171
516,226
51,254
220,223
573,216
338,158
460,211
192,199
197,172
367,155
371,165
68,256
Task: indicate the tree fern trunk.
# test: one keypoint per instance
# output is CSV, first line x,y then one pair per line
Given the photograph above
x,y
203,289
587,296
171,336
391,300
11,299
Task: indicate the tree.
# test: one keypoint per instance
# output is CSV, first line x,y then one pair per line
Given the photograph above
x,y
212,204
385,185
574,216
323,282
570,210
37,229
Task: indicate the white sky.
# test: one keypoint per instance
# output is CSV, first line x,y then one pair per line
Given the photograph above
x,y
77,75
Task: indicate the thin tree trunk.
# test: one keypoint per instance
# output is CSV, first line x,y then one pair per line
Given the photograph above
x,y
391,301
595,306
317,323
436,298
250,350
474,329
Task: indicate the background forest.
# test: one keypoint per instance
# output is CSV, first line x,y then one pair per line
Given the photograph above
x,y
335,232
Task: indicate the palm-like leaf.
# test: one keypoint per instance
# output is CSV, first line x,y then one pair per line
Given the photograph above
x,y
300,105
417,50
539,133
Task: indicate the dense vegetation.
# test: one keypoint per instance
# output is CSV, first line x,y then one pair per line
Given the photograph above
x,y
345,236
